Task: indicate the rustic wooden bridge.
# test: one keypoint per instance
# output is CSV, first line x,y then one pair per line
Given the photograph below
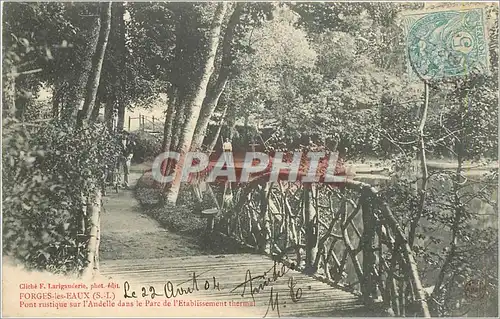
x,y
284,292
320,250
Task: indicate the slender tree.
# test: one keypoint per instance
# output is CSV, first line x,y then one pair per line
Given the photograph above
x,y
76,96
211,100
95,75
194,101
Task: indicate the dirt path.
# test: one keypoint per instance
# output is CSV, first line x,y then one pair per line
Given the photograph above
x,y
127,233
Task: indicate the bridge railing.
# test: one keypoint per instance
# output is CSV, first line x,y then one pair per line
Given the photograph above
x,y
346,235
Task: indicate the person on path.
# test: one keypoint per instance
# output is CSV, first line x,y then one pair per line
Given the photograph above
x,y
227,147
127,155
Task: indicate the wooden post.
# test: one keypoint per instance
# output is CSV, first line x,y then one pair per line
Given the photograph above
x,y
368,286
264,209
210,224
418,289
311,220
129,120
210,215
391,281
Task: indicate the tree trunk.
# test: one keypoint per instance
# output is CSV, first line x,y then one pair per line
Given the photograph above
x,y
78,82
55,107
232,129
94,210
95,110
196,100
95,75
219,129
21,105
108,114
246,129
121,102
178,124
311,229
57,93
423,166
167,128
455,228
209,105
212,98
178,78
121,117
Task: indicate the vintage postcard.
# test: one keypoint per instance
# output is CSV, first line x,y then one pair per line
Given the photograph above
x,y
250,159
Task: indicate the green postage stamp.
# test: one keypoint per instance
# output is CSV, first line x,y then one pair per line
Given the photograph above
x,y
446,43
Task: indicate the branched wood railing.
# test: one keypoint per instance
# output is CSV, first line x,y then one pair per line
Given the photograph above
x,y
346,235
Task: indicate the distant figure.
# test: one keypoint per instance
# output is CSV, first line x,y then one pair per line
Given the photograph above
x,y
227,146
127,154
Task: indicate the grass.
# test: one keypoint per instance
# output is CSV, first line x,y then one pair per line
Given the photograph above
x,y
179,219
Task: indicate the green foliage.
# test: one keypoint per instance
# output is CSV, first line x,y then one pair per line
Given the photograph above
x,y
373,26
147,146
47,174
49,36
180,218
37,111
147,192
143,65
306,82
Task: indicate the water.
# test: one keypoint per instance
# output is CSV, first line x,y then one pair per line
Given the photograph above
x,y
484,211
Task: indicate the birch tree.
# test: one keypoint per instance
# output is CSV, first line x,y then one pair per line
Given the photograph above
x,y
193,103
95,76
91,21
212,98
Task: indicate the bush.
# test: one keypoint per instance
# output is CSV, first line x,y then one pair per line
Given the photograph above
x,y
145,191
147,146
47,174
181,218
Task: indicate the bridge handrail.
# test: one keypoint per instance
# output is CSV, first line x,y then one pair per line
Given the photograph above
x,y
401,241
283,217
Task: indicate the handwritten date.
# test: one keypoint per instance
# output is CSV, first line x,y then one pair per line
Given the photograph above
x,y
170,290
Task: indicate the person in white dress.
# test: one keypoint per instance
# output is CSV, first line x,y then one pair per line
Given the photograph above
x,y
226,148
